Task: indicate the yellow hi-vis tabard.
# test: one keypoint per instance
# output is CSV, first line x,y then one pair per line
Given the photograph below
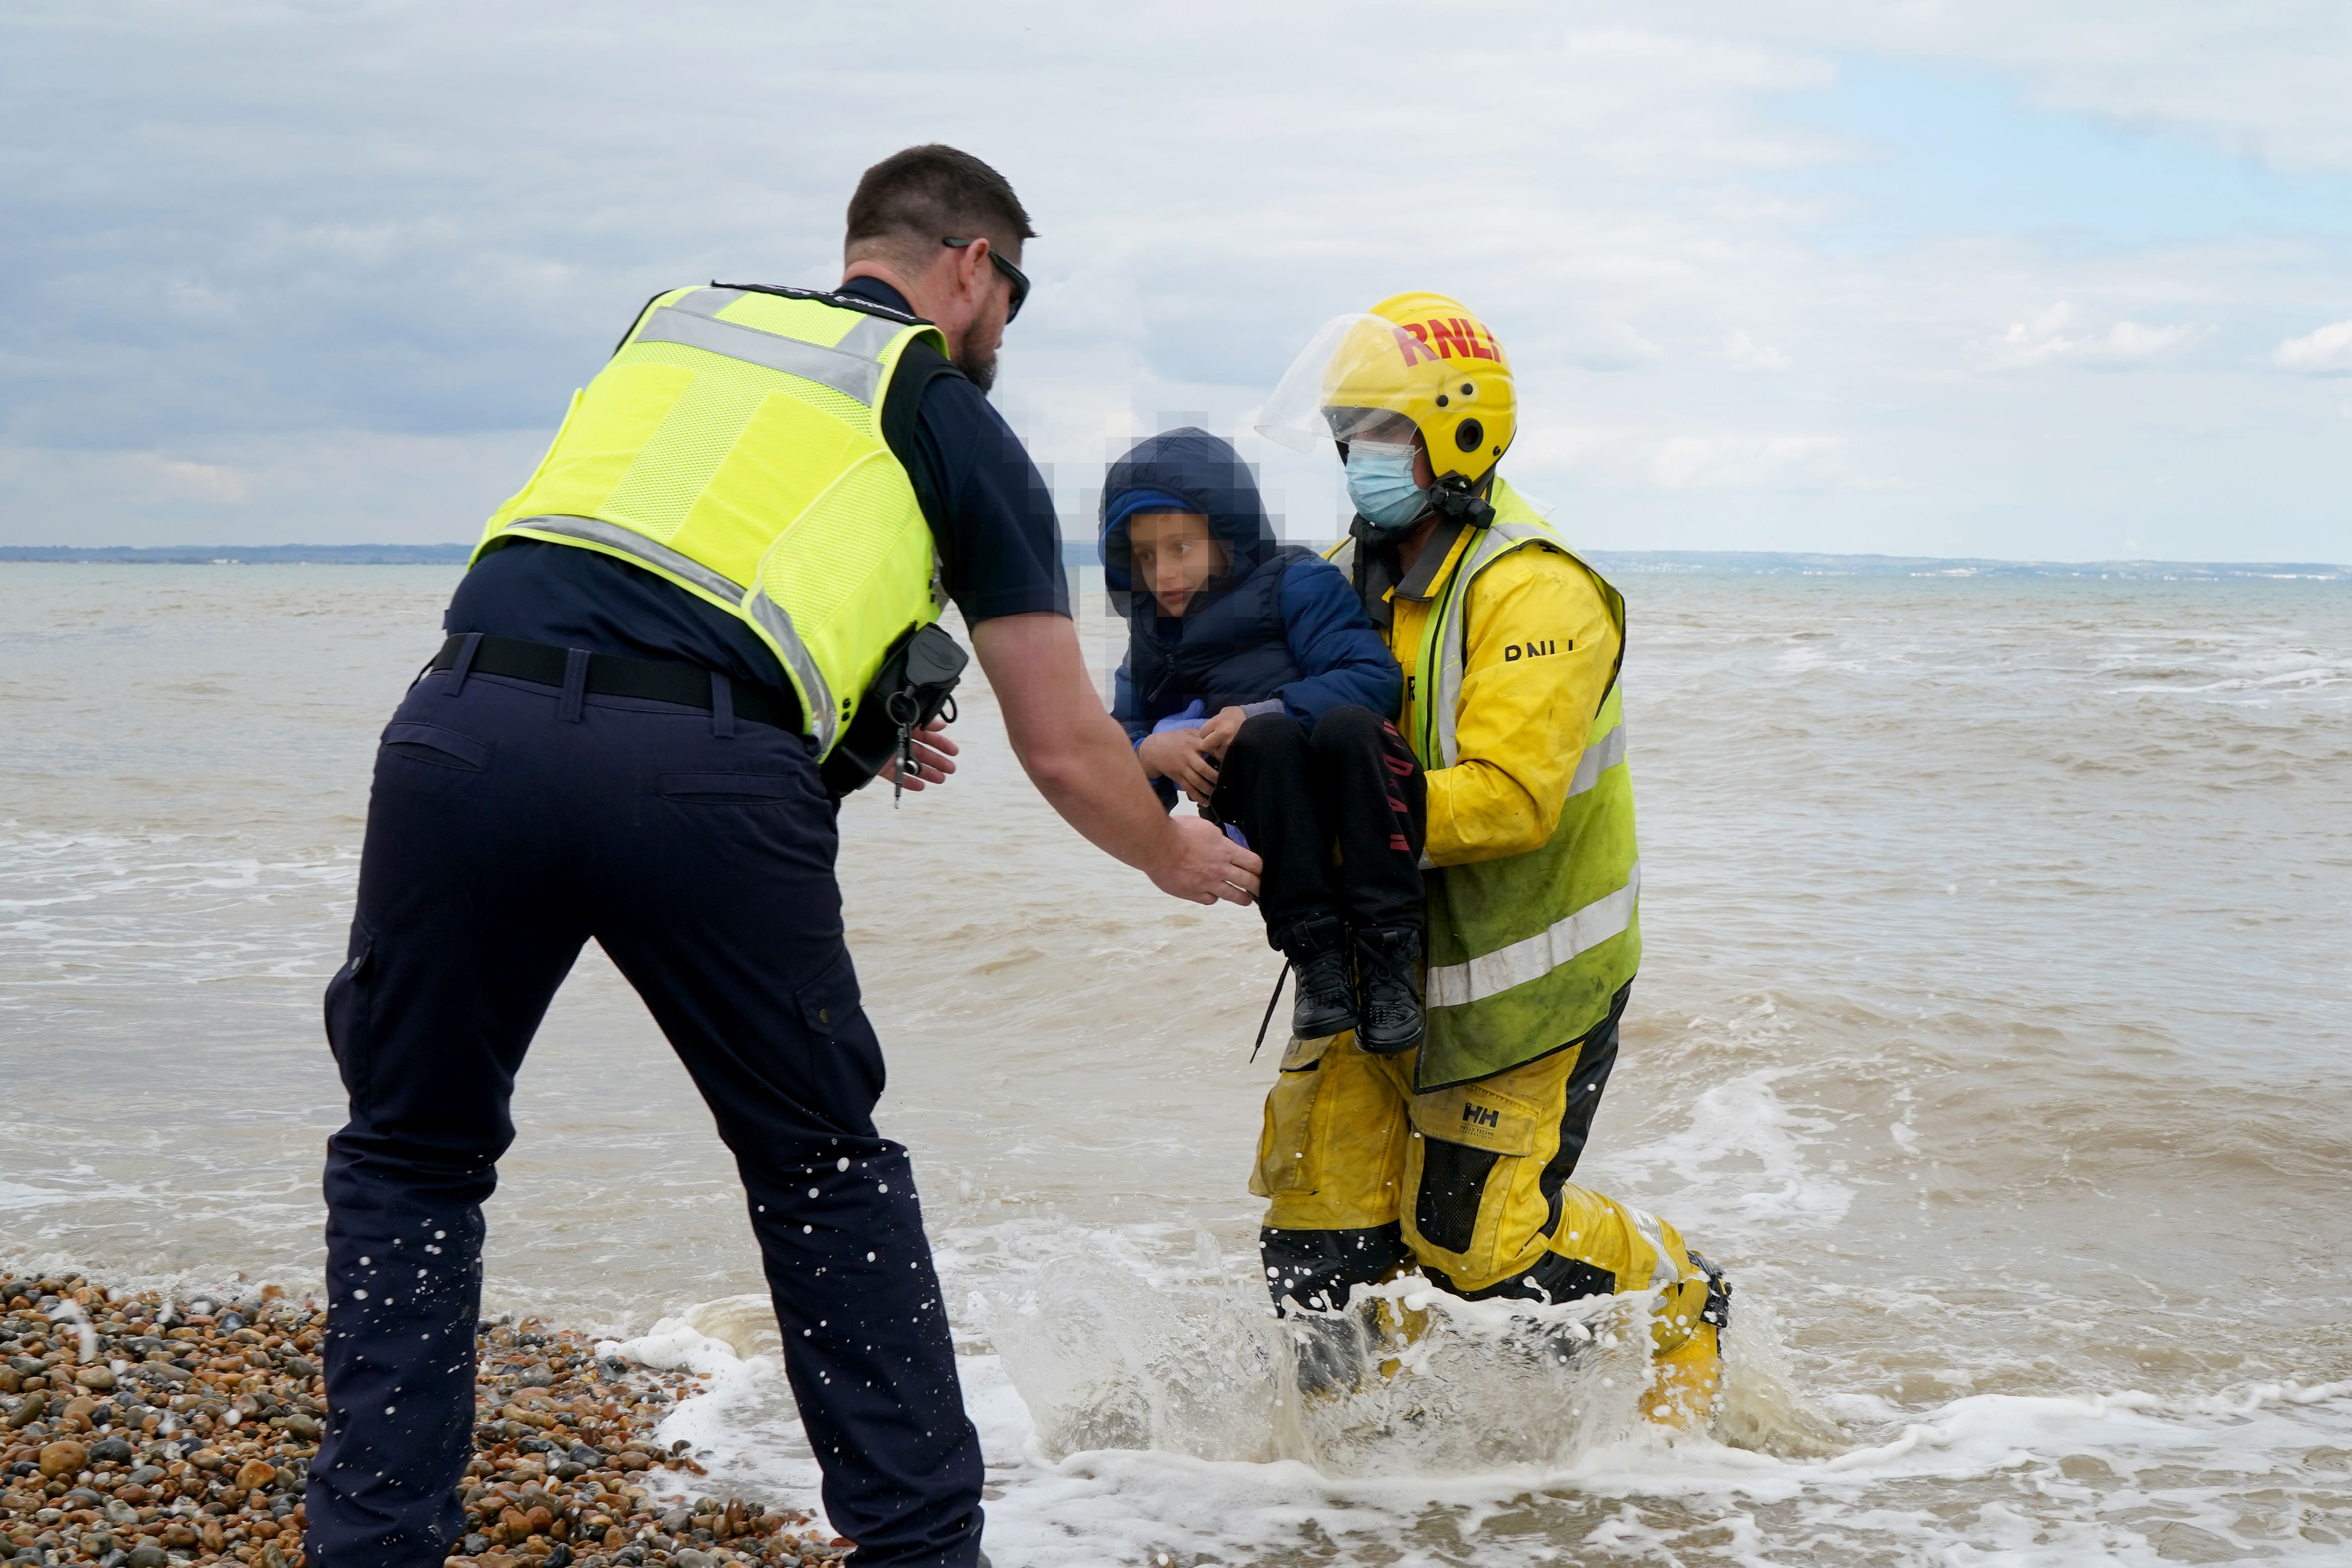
x,y
1527,953
733,444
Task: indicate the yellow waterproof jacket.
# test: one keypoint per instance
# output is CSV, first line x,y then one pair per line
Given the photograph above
x,y
1522,719
1510,646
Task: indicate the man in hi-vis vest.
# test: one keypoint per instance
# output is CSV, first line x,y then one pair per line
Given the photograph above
x,y
1454,1155
708,614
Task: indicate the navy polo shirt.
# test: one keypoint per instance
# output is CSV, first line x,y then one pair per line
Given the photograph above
x,y
991,512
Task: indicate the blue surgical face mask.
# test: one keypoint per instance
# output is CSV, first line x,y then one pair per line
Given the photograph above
x,y
1379,481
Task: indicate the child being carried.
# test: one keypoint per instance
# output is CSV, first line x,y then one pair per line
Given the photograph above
x,y
1253,680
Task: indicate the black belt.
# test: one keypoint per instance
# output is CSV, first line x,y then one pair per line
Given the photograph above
x,y
611,675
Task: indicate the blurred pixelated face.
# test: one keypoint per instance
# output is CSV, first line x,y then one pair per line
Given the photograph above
x,y
1175,555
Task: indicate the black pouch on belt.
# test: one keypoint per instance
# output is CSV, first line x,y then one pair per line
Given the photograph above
x,y
915,685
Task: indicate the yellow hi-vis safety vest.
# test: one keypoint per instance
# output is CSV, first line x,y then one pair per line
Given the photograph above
x,y
1527,953
733,444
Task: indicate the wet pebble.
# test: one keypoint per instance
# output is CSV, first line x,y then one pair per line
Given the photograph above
x,y
62,1459
565,1472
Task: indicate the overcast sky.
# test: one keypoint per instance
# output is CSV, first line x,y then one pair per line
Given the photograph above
x,y
2005,277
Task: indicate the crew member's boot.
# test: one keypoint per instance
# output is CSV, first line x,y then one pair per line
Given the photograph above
x,y
1387,980
1323,991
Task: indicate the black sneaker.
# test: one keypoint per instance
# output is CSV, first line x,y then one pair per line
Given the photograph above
x,y
1324,992
1388,972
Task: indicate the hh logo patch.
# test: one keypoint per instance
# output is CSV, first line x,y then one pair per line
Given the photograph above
x,y
1480,1116
1536,648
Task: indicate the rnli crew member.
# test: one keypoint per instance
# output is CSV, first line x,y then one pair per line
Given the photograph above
x,y
1454,1156
723,574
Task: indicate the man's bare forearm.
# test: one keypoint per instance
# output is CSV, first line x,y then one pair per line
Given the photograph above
x,y
1075,752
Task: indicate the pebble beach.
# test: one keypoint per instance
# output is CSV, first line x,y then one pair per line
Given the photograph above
x,y
139,1431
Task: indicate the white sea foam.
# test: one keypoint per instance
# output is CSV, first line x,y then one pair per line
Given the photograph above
x,y
2057,1480
1738,1163
17,1195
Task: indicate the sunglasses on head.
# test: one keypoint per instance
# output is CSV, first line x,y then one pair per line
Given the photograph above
x,y
1014,275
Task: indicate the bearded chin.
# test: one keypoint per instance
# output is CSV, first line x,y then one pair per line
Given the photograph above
x,y
980,372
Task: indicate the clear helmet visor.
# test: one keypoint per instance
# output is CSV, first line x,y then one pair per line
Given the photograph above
x,y
1360,378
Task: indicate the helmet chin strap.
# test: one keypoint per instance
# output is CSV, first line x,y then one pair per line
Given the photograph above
x,y
1450,496
1455,497
1382,535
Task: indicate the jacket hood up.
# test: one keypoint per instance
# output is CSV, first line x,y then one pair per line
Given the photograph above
x,y
1203,474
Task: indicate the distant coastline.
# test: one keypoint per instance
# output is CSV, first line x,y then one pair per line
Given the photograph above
x,y
1718,563
241,555
1780,563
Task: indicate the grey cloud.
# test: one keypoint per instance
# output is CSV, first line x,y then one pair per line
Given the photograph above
x,y
331,271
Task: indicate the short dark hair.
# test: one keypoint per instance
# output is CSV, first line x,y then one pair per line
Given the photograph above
x,y
927,193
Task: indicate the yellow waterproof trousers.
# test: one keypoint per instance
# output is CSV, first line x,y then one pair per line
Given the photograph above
x,y
1470,1183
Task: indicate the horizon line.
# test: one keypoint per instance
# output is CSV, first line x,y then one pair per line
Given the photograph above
x,y
452,552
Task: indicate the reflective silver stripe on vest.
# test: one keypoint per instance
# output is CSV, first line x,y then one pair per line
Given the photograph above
x,y
1598,757
865,339
845,373
766,611
1492,973
869,337
628,541
1498,539
705,301
824,712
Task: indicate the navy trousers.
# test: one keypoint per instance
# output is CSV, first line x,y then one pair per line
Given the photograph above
x,y
1349,783
509,823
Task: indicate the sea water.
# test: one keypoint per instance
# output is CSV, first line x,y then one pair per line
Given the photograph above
x,y
1992,1032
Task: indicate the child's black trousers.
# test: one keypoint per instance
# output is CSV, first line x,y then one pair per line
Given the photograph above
x,y
1350,784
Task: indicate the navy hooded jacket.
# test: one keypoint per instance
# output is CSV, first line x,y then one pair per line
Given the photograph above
x,y
1279,625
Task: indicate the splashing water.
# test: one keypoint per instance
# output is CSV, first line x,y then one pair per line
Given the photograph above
x,y
1406,1380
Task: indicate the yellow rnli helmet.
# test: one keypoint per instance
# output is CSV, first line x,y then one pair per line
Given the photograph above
x,y
1415,362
